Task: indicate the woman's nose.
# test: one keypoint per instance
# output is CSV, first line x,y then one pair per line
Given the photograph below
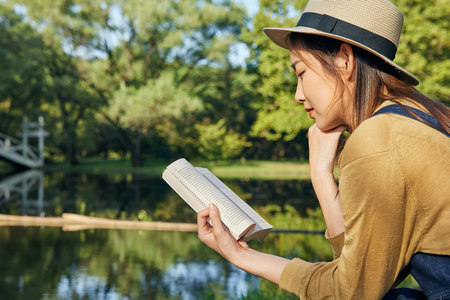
x,y
299,96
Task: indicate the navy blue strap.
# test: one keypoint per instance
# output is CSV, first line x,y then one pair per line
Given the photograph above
x,y
399,110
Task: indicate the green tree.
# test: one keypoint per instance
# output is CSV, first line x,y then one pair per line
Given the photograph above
x,y
24,80
138,47
195,35
424,47
138,110
279,117
73,101
216,142
38,78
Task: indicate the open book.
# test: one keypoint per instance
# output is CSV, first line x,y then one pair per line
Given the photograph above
x,y
199,187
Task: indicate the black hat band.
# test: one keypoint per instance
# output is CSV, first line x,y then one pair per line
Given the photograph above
x,y
344,29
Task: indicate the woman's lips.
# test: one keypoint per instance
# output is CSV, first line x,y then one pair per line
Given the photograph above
x,y
310,111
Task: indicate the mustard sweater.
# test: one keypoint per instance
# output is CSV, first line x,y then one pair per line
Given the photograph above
x,y
394,185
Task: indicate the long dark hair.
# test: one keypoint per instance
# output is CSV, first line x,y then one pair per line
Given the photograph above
x,y
375,81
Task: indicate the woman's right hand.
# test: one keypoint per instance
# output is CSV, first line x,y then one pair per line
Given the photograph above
x,y
218,238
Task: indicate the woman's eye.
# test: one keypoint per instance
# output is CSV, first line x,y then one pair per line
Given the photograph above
x,y
300,75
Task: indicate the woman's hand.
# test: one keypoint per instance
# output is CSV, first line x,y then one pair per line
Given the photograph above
x,y
322,149
217,236
322,154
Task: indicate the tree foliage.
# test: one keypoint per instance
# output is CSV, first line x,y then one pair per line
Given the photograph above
x,y
156,79
24,79
215,142
424,47
279,117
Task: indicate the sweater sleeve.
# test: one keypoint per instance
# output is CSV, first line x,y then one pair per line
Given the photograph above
x,y
372,193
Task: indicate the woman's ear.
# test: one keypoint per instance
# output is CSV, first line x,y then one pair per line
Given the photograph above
x,y
345,61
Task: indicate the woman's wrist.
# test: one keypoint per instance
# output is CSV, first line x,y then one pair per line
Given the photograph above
x,y
240,257
261,264
325,187
327,193
319,177
237,257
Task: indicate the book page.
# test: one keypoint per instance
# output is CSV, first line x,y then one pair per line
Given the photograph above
x,y
261,224
199,192
188,196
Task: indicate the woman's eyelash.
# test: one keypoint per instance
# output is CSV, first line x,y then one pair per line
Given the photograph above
x,y
300,74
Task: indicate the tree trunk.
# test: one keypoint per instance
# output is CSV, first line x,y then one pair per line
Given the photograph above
x,y
71,152
132,146
136,159
70,137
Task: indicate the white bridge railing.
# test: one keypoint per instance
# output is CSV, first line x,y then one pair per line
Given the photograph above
x,y
20,151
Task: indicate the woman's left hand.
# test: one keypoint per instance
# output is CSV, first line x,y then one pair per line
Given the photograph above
x,y
322,149
322,154
217,236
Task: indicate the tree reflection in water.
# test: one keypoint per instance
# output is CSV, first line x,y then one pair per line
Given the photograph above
x,y
186,279
132,196
112,264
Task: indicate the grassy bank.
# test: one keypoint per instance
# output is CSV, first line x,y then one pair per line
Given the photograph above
x,y
254,169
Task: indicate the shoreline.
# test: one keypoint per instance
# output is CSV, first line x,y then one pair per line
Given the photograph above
x,y
247,169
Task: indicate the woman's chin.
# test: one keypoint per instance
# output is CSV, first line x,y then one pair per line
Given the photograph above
x,y
327,127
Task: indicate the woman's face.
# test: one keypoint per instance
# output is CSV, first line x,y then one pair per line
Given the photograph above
x,y
317,90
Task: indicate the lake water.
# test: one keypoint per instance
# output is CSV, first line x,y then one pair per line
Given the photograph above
x,y
49,263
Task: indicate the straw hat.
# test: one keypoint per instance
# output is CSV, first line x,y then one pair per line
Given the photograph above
x,y
373,25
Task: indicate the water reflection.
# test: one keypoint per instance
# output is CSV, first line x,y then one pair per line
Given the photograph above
x,y
83,285
49,263
187,280
130,196
110,264
24,190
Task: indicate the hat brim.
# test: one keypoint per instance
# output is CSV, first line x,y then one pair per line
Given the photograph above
x,y
279,37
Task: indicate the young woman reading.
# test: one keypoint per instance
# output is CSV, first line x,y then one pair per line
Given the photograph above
x,y
390,215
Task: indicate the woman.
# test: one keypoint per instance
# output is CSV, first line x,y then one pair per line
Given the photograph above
x,y
391,213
